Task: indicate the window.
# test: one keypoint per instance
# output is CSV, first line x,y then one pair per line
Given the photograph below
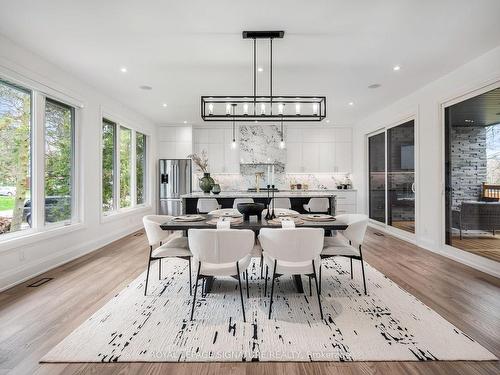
x,y
15,158
140,167
52,142
125,159
123,167
59,119
108,165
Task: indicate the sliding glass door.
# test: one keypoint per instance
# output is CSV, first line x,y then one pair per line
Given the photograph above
x,y
401,176
376,176
391,168
472,175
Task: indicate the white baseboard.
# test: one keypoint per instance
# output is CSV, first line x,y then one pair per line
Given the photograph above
x,y
28,271
475,261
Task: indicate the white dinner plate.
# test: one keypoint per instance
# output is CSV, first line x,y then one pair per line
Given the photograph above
x,y
226,212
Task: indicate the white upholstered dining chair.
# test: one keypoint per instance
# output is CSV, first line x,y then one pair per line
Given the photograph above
x,y
281,203
164,244
205,205
317,205
221,252
347,243
241,200
293,251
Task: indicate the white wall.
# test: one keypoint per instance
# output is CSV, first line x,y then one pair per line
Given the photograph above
x,y
44,251
425,106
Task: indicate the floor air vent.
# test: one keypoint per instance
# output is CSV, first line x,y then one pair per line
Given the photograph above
x,y
378,234
40,282
138,234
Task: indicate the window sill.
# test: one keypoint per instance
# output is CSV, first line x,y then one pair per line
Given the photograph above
x,y
124,212
34,237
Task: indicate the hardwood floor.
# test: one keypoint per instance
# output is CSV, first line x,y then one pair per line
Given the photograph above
x,y
486,244
33,320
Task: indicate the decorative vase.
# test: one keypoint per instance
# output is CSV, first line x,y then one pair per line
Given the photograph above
x,y
216,189
206,183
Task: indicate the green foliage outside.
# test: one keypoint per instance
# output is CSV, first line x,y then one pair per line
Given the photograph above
x,y
108,161
15,132
6,203
125,159
140,146
58,161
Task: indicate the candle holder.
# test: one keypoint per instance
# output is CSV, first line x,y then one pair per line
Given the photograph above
x,y
268,205
273,216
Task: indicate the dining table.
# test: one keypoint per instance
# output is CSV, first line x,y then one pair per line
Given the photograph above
x,y
255,225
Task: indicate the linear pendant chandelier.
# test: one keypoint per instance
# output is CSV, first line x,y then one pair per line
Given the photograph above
x,y
261,107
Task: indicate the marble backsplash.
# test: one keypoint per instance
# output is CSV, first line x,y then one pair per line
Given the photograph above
x,y
239,182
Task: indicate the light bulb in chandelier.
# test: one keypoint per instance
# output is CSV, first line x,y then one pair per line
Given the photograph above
x,y
233,144
282,144
262,109
315,109
245,109
281,108
297,108
210,109
228,109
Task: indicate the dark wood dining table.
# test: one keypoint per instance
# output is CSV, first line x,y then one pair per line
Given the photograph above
x,y
255,225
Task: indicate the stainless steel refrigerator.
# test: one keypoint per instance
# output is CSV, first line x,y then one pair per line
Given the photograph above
x,y
175,180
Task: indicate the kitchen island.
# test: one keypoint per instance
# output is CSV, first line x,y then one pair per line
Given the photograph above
x,y
297,198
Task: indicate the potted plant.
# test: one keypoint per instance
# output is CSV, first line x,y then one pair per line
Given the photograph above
x,y
206,183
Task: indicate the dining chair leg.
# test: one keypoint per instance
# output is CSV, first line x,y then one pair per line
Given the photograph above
x,y
261,265
362,268
203,288
317,290
272,289
195,289
241,292
190,276
147,273
265,281
310,289
248,290
159,269
320,279
351,268
147,277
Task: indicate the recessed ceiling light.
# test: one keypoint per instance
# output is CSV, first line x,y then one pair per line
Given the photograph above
x,y
351,103
185,122
164,105
145,87
374,86
327,121
396,68
260,70
123,69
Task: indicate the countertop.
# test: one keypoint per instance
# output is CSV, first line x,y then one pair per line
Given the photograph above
x,y
263,194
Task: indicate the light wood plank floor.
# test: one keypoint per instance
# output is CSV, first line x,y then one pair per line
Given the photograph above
x,y
33,320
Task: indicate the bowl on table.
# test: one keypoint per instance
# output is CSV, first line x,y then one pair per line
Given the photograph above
x,y
250,209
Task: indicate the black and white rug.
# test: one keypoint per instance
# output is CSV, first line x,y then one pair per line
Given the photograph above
x,y
387,325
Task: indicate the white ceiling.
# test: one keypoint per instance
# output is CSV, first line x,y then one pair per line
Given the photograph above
x,y
184,49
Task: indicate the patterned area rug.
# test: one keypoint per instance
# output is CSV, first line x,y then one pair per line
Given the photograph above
x,y
387,325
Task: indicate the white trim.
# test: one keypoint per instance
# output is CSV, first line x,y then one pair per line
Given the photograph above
x,y
15,242
64,256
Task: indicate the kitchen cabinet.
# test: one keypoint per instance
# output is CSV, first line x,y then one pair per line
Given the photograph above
x,y
318,150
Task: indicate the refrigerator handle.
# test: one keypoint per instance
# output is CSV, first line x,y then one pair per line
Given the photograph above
x,y
164,178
